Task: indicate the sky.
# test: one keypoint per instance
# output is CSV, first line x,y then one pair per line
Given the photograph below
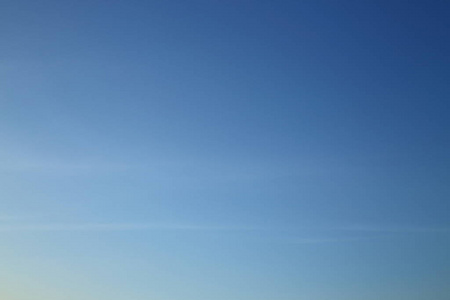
x,y
212,149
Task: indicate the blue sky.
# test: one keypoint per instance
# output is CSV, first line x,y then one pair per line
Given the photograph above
x,y
224,150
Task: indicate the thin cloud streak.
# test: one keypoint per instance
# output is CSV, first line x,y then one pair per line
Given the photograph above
x,y
66,167
327,240
395,229
9,224
114,227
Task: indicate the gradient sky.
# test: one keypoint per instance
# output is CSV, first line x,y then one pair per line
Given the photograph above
x,y
224,150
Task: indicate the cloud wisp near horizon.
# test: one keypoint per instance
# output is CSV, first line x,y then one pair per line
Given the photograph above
x,y
18,224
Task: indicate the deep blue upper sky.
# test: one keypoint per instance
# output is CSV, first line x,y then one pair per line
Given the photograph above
x,y
264,125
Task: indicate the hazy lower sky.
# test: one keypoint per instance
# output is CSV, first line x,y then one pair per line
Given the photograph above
x,y
224,150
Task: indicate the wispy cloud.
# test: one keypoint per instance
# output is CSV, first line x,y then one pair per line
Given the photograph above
x,y
12,226
394,229
360,234
55,166
311,235
357,233
328,240
114,227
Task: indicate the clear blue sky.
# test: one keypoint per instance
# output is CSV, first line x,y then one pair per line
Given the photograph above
x,y
224,150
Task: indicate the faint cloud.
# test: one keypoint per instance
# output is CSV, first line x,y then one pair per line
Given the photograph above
x,y
67,165
113,227
394,229
326,240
